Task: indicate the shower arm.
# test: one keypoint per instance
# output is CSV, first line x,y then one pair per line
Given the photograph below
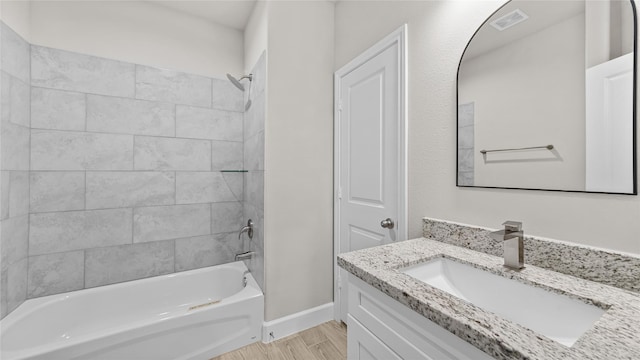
x,y
236,83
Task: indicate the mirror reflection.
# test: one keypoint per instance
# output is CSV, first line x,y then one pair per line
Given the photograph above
x,y
546,98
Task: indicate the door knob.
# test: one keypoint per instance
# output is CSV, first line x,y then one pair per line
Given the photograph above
x,y
387,223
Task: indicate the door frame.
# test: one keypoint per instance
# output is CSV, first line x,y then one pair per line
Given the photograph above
x,y
399,38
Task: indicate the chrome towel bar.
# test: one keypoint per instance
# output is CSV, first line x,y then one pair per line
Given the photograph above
x,y
548,147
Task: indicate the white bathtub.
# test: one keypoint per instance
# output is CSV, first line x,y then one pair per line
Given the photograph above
x,y
175,316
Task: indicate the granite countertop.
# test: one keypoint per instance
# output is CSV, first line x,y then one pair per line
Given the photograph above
x,y
613,336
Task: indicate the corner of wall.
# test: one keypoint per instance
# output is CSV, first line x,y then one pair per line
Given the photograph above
x,y
17,15
15,96
255,35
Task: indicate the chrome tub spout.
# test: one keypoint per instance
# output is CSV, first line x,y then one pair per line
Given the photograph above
x,y
245,255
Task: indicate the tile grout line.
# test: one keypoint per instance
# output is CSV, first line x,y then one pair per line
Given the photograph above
x,y
136,66
133,224
86,110
166,137
84,272
131,206
86,190
28,182
136,99
126,171
86,116
226,233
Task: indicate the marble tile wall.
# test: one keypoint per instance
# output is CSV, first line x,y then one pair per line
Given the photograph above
x,y
254,121
14,168
126,174
111,171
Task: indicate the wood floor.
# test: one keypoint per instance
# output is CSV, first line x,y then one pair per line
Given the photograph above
x,y
327,341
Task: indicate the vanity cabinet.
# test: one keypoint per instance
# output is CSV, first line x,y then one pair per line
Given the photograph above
x,y
379,327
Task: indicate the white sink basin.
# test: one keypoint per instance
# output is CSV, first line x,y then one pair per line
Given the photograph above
x,y
555,316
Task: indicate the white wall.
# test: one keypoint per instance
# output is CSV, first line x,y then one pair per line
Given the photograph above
x,y
138,32
298,151
255,35
438,32
16,15
298,157
539,81
598,18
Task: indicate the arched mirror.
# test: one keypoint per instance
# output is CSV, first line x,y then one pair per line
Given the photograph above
x,y
546,98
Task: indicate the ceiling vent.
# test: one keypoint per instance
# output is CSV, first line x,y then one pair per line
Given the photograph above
x,y
509,20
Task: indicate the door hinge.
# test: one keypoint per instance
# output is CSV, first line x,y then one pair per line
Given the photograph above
x,y
340,193
340,105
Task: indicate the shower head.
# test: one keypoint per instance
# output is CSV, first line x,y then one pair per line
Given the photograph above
x,y
237,82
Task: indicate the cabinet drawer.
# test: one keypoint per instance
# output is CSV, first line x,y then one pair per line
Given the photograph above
x,y
363,345
404,331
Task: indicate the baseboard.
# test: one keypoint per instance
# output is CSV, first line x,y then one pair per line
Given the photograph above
x,y
291,324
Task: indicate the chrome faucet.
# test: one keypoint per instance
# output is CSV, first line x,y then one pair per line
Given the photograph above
x,y
247,229
513,239
245,255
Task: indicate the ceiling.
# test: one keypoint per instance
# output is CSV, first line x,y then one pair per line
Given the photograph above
x,y
231,13
542,14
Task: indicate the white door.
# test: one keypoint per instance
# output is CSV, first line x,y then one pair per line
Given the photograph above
x,y
370,153
609,129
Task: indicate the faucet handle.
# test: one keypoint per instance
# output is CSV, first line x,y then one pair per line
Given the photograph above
x,y
512,225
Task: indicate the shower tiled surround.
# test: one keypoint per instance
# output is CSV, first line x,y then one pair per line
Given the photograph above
x,y
113,171
14,169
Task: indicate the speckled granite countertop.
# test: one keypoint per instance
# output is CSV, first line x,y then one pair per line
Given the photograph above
x,y
614,336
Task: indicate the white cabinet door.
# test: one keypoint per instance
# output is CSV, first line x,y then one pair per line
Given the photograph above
x,y
402,331
363,345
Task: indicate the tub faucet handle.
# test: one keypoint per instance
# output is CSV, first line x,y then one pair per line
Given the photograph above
x,y
247,229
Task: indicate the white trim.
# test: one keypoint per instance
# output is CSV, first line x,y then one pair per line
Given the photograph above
x,y
403,137
336,186
398,37
291,324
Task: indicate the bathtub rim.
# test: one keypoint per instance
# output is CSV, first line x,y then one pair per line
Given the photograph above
x,y
250,291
